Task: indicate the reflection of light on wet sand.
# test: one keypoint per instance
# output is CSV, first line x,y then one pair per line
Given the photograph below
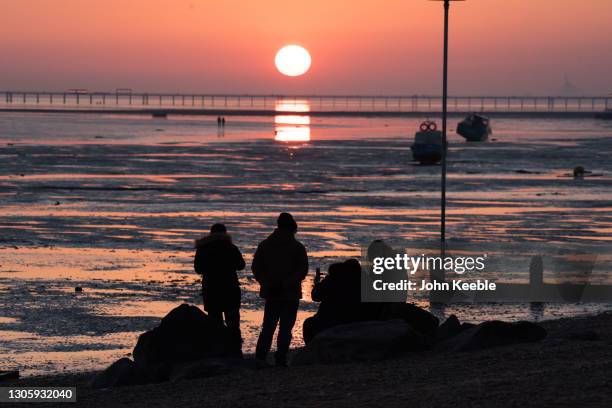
x,y
292,128
341,211
138,308
76,176
336,254
88,264
44,362
288,133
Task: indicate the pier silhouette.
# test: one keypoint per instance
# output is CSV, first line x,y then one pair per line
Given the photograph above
x,y
126,101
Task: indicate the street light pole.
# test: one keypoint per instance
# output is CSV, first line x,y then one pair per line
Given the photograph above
x,y
444,143
440,274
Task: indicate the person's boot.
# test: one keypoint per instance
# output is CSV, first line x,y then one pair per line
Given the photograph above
x,y
261,363
280,360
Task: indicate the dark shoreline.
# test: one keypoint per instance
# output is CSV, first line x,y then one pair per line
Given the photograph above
x,y
271,112
566,369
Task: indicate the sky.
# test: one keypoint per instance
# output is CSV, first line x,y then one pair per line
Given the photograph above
x,y
358,47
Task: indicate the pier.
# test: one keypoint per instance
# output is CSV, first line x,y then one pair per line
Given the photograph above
x,y
125,101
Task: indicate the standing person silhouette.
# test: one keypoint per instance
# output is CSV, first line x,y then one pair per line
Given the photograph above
x,y
217,259
280,265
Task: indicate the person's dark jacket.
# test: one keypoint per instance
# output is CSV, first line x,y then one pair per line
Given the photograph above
x,y
340,296
280,265
217,259
339,293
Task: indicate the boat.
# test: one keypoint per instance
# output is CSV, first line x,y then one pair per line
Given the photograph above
x,y
474,128
427,146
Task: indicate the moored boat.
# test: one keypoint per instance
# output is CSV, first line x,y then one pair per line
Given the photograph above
x,y
427,146
474,128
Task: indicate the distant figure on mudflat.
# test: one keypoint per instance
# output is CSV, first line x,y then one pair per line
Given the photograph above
x,y
280,265
217,259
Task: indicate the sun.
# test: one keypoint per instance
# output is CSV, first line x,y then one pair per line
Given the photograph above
x,y
292,60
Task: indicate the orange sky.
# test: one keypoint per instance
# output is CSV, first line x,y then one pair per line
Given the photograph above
x,y
358,46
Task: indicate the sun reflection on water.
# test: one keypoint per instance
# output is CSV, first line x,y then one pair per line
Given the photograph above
x,y
290,127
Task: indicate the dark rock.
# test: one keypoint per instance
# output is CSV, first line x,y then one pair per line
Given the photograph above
x,y
493,334
7,375
78,289
122,372
184,334
582,335
206,367
420,319
466,325
450,328
360,341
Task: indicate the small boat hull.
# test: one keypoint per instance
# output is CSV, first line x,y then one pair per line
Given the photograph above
x,y
426,153
474,128
427,146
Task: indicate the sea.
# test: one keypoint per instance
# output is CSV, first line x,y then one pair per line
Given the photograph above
x,y
100,212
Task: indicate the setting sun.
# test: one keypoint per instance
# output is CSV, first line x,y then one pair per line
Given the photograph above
x,y
292,60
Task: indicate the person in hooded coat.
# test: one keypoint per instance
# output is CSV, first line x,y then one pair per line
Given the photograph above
x,y
217,259
340,296
280,265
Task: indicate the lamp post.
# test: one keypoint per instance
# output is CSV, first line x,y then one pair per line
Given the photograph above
x,y
444,142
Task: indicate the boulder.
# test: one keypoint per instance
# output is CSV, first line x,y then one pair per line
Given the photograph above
x,y
184,334
207,367
360,341
122,372
465,326
493,334
8,375
184,345
420,319
450,328
581,334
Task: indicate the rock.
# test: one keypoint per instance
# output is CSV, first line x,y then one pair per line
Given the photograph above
x,y
450,328
122,372
493,334
7,375
419,319
466,325
206,367
184,334
582,335
78,289
360,341
174,349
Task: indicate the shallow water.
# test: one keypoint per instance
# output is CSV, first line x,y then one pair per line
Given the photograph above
x,y
112,204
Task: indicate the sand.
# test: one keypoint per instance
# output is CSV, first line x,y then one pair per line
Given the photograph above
x,y
560,371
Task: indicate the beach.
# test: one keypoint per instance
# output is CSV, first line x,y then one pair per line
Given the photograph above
x,y
112,204
569,368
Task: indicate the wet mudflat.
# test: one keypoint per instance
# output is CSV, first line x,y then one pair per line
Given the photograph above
x,y
113,204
